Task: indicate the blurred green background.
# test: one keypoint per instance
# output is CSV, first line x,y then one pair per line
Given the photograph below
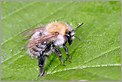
x,y
95,57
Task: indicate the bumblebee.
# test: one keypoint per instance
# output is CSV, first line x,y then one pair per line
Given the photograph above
x,y
47,39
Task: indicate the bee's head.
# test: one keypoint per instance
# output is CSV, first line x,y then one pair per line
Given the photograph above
x,y
70,34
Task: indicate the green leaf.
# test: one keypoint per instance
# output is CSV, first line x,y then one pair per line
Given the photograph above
x,y
95,57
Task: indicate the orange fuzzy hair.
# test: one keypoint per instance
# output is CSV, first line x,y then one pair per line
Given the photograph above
x,y
59,27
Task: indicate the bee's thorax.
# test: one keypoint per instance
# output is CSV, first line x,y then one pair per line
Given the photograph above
x,y
60,40
59,27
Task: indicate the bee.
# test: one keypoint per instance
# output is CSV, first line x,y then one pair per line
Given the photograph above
x,y
47,39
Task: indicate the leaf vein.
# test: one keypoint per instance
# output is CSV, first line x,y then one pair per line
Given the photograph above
x,y
108,51
84,67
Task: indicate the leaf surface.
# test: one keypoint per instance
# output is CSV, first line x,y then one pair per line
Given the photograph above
x,y
95,57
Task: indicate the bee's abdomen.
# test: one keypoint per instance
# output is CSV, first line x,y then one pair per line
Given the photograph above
x,y
38,49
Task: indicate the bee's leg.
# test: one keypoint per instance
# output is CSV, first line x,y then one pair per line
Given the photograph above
x,y
58,52
41,60
66,51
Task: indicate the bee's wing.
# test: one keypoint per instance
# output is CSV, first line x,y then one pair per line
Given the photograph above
x,y
35,41
29,32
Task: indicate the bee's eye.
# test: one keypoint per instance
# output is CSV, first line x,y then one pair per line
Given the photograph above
x,y
68,32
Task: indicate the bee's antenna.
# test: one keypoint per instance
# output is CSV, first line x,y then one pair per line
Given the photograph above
x,y
78,38
76,29
78,26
